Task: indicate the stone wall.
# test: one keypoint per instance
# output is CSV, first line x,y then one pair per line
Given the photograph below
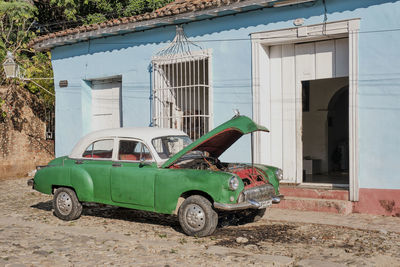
x,y
23,143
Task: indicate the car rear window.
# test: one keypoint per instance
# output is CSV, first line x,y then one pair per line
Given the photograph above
x,y
101,149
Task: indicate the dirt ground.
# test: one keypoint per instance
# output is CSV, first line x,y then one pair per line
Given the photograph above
x,y
30,235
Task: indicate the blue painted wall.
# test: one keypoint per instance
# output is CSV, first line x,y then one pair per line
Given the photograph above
x,y
228,37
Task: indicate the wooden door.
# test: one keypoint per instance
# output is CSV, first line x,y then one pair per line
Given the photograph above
x,y
106,104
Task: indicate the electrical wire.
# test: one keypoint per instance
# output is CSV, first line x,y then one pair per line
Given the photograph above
x,y
39,86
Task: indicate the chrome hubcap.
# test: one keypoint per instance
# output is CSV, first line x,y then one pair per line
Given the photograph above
x,y
195,217
64,203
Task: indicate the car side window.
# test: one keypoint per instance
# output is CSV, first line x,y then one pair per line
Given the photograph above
x,y
133,150
100,149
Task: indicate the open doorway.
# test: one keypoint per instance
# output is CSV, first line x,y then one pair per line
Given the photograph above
x,y
325,135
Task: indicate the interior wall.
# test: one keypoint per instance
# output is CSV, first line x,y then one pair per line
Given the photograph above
x,y
315,124
338,131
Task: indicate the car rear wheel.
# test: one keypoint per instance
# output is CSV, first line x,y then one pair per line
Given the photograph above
x,y
197,217
66,204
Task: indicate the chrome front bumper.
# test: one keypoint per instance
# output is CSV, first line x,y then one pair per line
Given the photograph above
x,y
249,204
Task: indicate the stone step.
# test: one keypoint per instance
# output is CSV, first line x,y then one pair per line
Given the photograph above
x,y
316,204
319,193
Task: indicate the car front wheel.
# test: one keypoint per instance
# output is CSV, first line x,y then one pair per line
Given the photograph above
x,y
197,217
66,204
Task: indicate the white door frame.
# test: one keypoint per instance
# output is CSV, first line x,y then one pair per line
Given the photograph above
x,y
261,88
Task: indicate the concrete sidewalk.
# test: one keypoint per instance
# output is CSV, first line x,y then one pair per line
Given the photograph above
x,y
353,220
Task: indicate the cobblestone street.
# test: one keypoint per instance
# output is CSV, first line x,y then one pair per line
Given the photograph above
x,y
31,235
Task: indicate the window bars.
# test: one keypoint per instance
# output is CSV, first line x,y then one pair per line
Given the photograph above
x,y
181,87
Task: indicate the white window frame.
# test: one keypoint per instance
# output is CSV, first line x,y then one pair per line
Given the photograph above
x,y
100,159
260,87
173,59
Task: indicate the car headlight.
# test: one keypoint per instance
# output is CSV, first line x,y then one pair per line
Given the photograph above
x,y
233,183
279,174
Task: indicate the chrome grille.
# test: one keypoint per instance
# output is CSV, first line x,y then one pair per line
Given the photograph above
x,y
262,192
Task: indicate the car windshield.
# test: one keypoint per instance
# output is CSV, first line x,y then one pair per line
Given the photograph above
x,y
167,146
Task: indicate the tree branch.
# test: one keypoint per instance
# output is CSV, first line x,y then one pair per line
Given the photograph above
x,y
19,43
9,32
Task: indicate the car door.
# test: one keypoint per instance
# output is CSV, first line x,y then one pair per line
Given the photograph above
x,y
133,174
95,166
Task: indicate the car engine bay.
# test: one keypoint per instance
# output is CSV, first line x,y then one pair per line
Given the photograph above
x,y
198,160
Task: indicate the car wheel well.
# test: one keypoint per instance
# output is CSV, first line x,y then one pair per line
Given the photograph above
x,y
55,187
197,192
187,194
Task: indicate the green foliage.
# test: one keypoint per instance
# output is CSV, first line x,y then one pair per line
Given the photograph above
x,y
39,66
16,30
156,4
95,11
96,18
16,19
136,7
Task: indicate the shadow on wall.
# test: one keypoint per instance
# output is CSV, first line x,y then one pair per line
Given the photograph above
x,y
153,38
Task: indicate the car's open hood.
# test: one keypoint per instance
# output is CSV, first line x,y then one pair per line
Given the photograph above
x,y
220,139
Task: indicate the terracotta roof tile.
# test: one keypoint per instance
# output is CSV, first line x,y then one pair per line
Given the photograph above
x,y
174,8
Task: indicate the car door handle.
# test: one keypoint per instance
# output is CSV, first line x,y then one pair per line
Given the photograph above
x,y
116,165
78,162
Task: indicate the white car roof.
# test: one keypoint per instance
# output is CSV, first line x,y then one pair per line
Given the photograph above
x,y
145,134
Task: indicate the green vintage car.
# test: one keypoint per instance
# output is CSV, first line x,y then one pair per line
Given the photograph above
x,y
161,170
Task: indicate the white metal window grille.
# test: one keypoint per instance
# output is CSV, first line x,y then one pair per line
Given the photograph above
x,y
181,94
181,87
